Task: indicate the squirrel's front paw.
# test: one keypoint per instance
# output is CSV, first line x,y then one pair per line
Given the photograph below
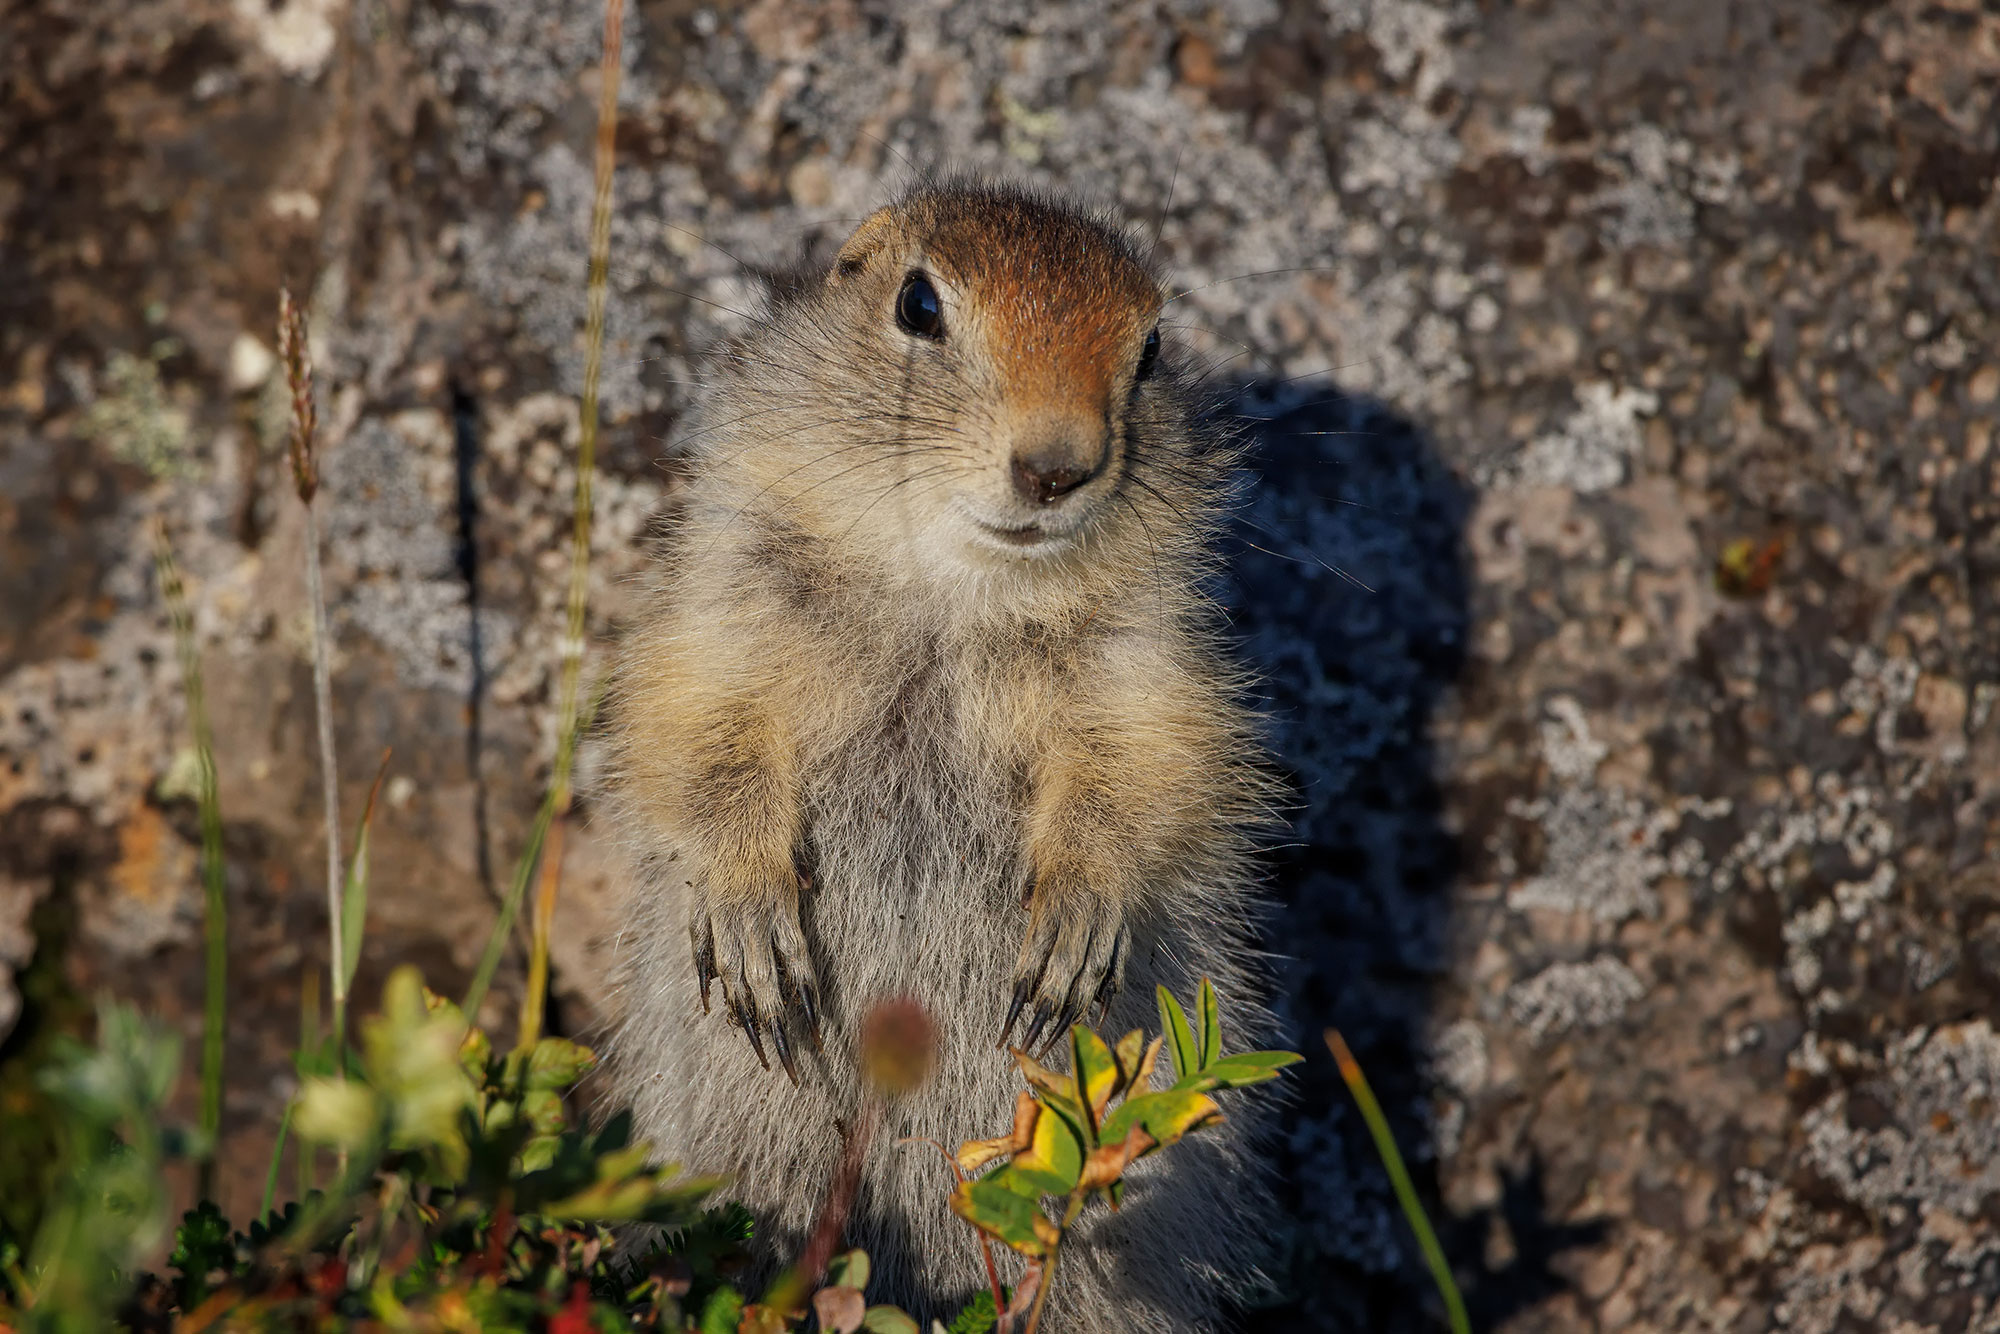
x,y
757,951
1074,955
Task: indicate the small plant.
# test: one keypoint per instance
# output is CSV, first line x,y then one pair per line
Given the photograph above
x,y
110,1205
469,1200
1070,1143
215,906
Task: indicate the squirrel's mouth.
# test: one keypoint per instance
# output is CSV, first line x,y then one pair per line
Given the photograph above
x,y
1027,535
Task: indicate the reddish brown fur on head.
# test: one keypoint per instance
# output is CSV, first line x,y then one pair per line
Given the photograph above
x,y
1048,310
1071,300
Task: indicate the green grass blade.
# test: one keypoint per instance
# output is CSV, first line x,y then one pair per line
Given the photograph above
x,y
308,1039
1399,1177
510,908
215,907
524,872
597,287
354,896
271,1173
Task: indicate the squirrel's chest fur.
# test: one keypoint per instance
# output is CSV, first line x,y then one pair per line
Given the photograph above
x,y
912,828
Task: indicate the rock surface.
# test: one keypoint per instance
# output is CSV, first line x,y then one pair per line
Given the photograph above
x,y
1625,559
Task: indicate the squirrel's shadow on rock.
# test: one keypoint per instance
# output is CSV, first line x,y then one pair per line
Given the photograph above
x,y
1347,587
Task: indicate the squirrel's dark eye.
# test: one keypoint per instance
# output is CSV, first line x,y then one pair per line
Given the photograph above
x,y
918,309
1149,357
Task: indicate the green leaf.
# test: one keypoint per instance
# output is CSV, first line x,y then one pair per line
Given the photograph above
x,y
977,1316
543,1110
1399,1180
626,1189
1166,1116
1005,1176
1096,1073
723,1312
344,1115
538,1153
128,1073
1011,1218
849,1270
1249,1067
202,1244
277,1153
889,1320
556,1063
1180,1038
1211,1025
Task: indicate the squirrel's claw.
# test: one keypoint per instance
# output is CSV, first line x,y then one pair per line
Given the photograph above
x,y
1071,1012
1043,1013
1072,957
746,1018
783,1046
809,1009
1022,989
758,951
1113,975
703,937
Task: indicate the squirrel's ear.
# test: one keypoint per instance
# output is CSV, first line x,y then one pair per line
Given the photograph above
x,y
861,247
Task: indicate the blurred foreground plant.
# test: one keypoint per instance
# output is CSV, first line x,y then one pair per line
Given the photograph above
x,y
469,1201
110,1206
468,1196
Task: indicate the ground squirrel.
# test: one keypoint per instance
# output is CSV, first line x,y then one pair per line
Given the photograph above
x,y
929,700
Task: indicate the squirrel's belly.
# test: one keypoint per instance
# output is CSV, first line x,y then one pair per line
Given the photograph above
x,y
916,890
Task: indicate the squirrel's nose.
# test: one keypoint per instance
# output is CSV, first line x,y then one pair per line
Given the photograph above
x,y
1043,476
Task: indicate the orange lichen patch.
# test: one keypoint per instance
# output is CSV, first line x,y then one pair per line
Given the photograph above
x,y
17,787
153,863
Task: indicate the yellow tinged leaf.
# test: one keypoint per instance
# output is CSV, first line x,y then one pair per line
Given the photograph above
x,y
1142,1079
976,1153
1166,1116
1013,1219
849,1270
1127,1052
1026,1112
1096,1070
1044,1078
1053,1158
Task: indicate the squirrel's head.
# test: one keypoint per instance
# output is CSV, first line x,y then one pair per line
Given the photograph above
x,y
981,365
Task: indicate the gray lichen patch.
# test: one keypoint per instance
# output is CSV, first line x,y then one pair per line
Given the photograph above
x,y
1567,996
1922,1133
